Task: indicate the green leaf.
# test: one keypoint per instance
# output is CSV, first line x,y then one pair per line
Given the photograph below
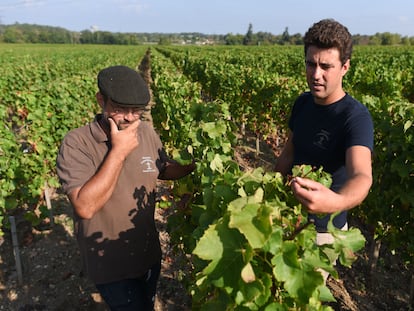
x,y
217,164
407,125
251,218
227,253
275,241
325,294
299,280
316,258
214,129
307,171
346,243
301,170
254,294
276,307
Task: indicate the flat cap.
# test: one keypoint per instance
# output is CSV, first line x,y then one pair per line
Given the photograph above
x,y
124,86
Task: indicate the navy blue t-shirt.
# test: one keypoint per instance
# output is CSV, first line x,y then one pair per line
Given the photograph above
x,y
323,133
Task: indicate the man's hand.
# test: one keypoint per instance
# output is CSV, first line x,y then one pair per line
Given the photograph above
x,y
125,140
173,170
317,198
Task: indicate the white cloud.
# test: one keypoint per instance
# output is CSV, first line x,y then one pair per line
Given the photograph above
x,y
404,19
22,3
135,6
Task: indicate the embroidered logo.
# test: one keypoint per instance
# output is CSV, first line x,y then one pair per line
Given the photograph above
x,y
322,139
149,165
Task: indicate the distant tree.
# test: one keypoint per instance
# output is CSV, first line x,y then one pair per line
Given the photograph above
x,y
265,38
406,41
285,38
107,37
13,35
231,39
248,38
360,39
2,29
86,37
375,39
164,41
27,33
296,39
390,38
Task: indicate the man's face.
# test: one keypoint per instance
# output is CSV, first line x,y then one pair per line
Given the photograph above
x,y
324,73
122,116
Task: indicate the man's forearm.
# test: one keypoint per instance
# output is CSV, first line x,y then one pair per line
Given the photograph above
x,y
93,195
355,190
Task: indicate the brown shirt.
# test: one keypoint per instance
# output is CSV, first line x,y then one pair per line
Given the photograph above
x,y
121,240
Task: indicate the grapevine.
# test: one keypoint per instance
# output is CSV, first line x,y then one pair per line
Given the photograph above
x,y
204,96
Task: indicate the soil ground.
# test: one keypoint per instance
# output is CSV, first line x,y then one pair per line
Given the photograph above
x,y
52,279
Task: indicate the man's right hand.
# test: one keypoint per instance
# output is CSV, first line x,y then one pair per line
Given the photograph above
x,y
125,140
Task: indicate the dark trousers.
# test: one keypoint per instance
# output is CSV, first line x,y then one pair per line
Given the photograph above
x,y
132,294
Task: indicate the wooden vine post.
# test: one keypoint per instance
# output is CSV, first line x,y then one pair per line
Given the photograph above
x,y
16,251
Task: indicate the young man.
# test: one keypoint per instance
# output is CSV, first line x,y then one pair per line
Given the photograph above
x,y
331,129
109,169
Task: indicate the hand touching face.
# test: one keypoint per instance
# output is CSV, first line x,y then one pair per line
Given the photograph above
x,y
124,139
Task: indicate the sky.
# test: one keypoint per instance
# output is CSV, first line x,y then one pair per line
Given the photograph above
x,y
364,17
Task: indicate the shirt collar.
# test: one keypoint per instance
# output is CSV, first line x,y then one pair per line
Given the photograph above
x,y
97,132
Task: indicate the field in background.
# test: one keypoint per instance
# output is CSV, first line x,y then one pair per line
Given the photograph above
x,y
226,92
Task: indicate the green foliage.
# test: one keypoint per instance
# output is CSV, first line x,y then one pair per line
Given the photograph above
x,y
389,207
261,250
252,246
249,241
307,171
258,83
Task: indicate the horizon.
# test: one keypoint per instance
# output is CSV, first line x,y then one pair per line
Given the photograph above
x,y
183,32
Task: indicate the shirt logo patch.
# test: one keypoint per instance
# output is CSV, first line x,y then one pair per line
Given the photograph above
x,y
322,139
149,165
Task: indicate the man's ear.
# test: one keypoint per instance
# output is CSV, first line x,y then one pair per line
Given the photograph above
x,y
345,67
100,99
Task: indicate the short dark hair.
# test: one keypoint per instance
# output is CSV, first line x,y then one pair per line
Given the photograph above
x,y
328,33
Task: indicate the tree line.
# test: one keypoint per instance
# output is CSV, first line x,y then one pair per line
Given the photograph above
x,y
29,33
